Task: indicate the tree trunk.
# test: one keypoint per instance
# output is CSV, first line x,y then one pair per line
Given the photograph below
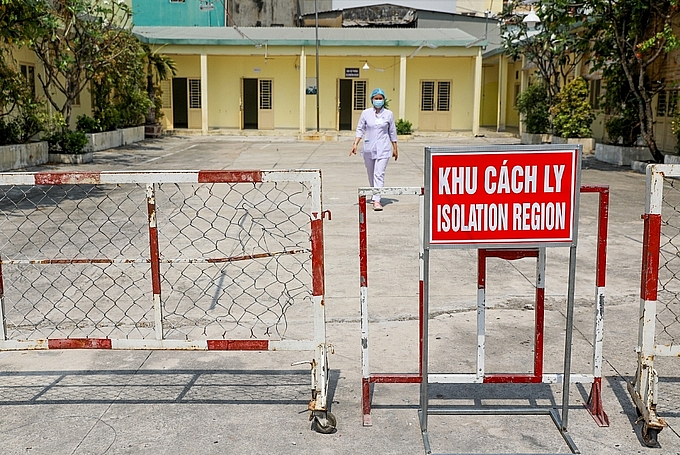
x,y
151,90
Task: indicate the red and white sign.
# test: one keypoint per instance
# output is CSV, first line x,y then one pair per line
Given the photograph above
x,y
513,197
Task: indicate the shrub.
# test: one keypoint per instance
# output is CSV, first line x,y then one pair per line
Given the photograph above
x,y
87,124
404,127
10,132
572,113
534,106
67,141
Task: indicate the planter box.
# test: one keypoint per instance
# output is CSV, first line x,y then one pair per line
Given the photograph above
x,y
620,155
588,143
113,139
154,130
19,156
531,139
71,158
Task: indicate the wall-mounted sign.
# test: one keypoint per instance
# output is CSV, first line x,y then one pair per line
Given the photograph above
x,y
503,197
351,72
311,86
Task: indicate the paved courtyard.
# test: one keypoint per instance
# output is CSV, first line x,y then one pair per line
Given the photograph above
x,y
172,402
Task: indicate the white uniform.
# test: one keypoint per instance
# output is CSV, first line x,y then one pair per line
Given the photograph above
x,y
380,132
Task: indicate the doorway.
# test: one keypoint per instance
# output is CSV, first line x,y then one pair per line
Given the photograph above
x,y
250,104
345,105
180,104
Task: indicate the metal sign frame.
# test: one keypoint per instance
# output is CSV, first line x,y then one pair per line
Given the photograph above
x,y
559,418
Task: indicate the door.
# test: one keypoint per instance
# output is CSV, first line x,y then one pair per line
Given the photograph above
x,y
250,104
180,103
345,104
666,106
265,120
435,106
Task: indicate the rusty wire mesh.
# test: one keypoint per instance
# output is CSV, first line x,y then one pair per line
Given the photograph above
x,y
668,306
235,260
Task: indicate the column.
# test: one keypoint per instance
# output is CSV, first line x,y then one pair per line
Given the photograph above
x,y
204,93
502,93
477,106
402,87
303,87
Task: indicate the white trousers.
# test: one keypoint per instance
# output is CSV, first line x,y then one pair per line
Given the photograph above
x,y
376,173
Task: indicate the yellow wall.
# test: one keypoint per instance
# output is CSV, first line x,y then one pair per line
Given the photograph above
x,y
489,95
514,78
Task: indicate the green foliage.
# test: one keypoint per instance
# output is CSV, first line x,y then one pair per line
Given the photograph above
x,y
572,113
556,46
634,38
621,106
533,105
9,132
87,124
65,141
404,126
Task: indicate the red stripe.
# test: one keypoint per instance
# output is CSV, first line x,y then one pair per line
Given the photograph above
x,y
511,255
229,176
512,379
481,268
421,328
79,343
602,227
365,396
396,378
650,256
317,258
153,247
363,243
64,178
538,340
238,345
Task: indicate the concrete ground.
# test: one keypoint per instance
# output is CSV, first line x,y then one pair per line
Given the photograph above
x,y
169,402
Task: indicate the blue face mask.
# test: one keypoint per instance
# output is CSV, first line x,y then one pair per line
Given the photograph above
x,y
378,103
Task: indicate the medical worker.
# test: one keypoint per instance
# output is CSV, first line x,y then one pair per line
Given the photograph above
x,y
376,125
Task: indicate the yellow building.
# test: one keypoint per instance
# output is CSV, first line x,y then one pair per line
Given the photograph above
x,y
264,78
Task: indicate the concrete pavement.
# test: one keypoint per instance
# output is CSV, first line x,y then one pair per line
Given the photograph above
x,y
168,402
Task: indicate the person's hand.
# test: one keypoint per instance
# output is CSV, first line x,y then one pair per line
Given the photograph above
x,y
395,152
354,149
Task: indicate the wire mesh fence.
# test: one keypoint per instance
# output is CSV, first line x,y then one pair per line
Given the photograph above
x,y
668,298
235,260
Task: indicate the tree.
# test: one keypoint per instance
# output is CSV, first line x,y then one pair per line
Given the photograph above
x,y
557,44
159,68
572,113
76,41
636,37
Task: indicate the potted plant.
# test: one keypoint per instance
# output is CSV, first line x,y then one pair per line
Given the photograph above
x,y
572,116
404,129
533,104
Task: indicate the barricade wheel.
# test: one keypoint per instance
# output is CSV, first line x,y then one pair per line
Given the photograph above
x,y
324,422
650,436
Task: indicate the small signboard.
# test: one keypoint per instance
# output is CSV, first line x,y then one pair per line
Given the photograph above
x,y
351,72
512,196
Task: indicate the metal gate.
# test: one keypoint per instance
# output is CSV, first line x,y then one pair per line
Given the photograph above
x,y
191,260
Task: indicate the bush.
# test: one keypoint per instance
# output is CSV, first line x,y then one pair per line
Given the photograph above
x,y
67,141
404,127
10,132
533,105
87,124
572,113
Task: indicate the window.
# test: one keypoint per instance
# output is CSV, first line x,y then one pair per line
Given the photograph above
x,y
672,102
176,1
166,94
194,93
359,95
661,104
595,92
427,96
265,93
443,95
28,72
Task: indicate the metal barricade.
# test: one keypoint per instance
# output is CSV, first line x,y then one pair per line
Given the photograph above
x,y
659,323
190,260
594,402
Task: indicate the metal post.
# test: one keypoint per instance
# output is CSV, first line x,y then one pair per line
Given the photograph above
x,y
316,26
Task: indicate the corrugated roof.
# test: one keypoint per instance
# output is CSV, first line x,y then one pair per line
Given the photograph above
x,y
285,36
